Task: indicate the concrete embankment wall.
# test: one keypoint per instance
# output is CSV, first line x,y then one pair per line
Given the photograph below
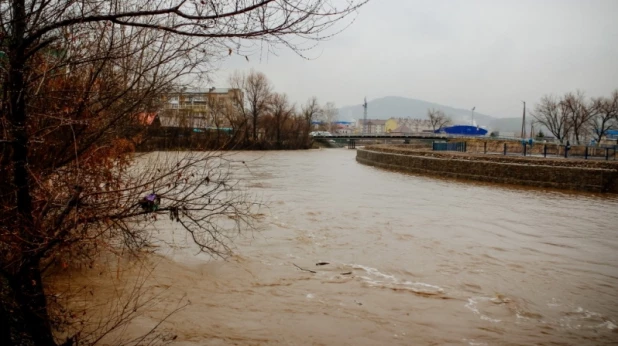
x,y
549,174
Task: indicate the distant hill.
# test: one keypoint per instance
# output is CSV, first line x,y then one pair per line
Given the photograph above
x,y
402,107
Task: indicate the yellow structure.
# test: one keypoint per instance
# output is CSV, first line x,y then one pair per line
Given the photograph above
x,y
391,124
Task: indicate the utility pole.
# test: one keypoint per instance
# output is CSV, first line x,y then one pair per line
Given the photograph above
x,y
473,108
523,122
365,117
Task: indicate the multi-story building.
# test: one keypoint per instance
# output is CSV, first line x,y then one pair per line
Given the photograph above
x,y
344,127
391,125
374,126
198,108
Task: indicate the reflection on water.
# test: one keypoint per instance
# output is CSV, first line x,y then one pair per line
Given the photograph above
x,y
411,260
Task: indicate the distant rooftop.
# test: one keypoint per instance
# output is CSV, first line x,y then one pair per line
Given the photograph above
x,y
373,122
402,129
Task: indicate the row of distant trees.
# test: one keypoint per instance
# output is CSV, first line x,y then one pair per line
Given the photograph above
x,y
255,117
575,117
261,115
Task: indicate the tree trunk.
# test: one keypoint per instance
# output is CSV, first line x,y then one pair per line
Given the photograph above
x,y
17,114
600,132
29,295
218,137
26,284
255,117
306,134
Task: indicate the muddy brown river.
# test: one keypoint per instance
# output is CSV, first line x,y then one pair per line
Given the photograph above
x,y
412,260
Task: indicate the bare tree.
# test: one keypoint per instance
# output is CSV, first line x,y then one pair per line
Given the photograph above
x,y
75,72
310,112
578,112
66,145
554,115
295,129
281,111
240,117
277,118
604,115
256,90
218,110
329,114
438,119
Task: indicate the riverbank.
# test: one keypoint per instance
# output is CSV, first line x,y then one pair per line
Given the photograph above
x,y
184,139
592,176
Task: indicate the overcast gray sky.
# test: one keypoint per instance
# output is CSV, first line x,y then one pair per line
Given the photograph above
x,y
462,53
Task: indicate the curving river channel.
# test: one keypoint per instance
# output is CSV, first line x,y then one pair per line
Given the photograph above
x,y
412,260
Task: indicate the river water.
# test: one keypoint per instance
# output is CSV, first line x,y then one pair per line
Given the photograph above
x,y
412,260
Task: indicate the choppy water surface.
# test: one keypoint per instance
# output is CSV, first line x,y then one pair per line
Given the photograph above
x,y
412,260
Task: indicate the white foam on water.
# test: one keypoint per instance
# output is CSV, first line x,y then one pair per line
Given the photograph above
x,y
554,303
422,284
586,319
586,313
310,296
472,342
472,305
376,278
608,324
492,320
374,271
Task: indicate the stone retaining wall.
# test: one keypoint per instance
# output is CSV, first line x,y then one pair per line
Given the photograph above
x,y
549,173
478,145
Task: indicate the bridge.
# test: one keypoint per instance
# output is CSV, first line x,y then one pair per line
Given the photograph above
x,y
385,136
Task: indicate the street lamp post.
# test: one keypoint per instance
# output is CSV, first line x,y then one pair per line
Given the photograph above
x,y
523,122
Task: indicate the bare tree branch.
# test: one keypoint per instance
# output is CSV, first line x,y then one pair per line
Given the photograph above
x,y
437,119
